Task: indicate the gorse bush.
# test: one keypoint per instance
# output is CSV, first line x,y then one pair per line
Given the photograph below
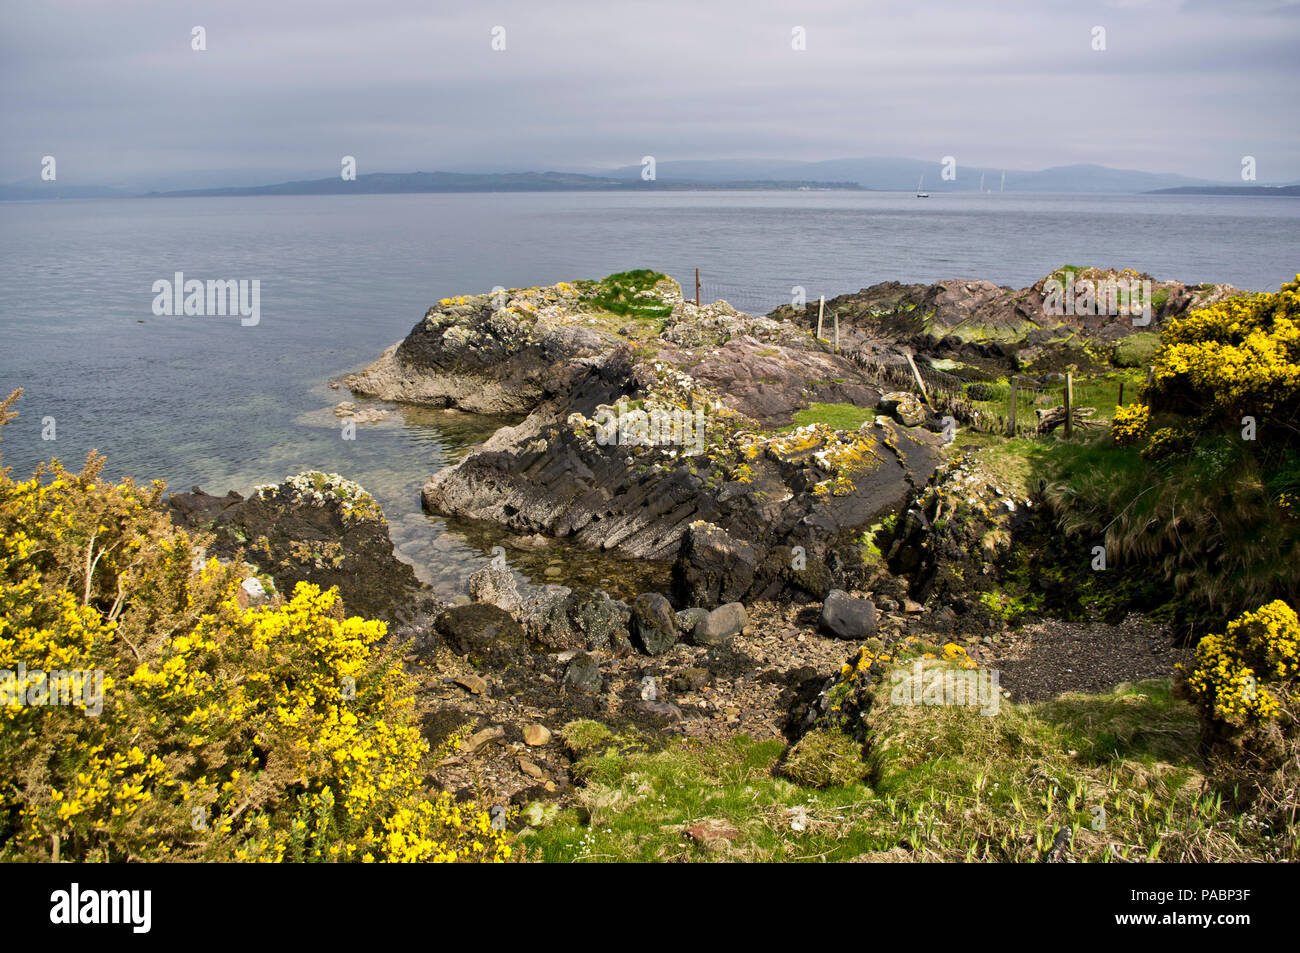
x,y
1244,684
1235,358
213,731
1128,427
1245,675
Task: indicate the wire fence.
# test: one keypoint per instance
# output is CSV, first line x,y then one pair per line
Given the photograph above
x,y
1022,406
1025,405
763,296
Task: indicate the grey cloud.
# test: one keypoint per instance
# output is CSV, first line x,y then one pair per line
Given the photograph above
x,y
116,94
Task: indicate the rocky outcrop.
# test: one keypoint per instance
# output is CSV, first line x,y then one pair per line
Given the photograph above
x,y
655,416
948,543
995,326
313,527
488,353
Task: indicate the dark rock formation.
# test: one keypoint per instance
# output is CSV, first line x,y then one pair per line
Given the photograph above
x,y
845,617
577,467
654,624
560,619
986,324
484,355
315,528
486,635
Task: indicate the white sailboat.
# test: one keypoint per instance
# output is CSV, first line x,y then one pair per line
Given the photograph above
x,y
919,193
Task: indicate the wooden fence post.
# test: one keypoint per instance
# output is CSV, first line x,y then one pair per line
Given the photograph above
x,y
1069,405
1119,401
1011,413
697,287
835,317
821,308
919,381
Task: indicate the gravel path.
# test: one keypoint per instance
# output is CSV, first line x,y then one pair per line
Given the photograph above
x,y
1047,658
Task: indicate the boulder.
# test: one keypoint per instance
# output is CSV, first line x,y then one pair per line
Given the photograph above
x,y
537,735
654,624
559,619
906,408
846,617
720,624
601,621
495,587
583,674
485,634
688,619
712,567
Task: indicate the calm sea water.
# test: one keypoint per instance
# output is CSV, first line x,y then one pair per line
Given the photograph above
x,y
206,401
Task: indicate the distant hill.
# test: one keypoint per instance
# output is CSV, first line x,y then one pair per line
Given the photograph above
x,y
884,174
380,183
1230,190
904,174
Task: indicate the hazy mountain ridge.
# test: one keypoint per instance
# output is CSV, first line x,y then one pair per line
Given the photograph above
x,y
883,174
904,174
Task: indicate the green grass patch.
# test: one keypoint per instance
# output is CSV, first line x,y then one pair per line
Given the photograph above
x,y
1136,350
835,416
1118,771
1009,461
629,294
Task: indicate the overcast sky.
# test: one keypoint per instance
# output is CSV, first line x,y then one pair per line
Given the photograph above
x,y
114,91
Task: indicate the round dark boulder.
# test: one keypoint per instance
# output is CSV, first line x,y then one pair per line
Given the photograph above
x,y
654,624
846,617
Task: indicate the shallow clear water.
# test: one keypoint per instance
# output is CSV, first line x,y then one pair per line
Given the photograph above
x,y
206,401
